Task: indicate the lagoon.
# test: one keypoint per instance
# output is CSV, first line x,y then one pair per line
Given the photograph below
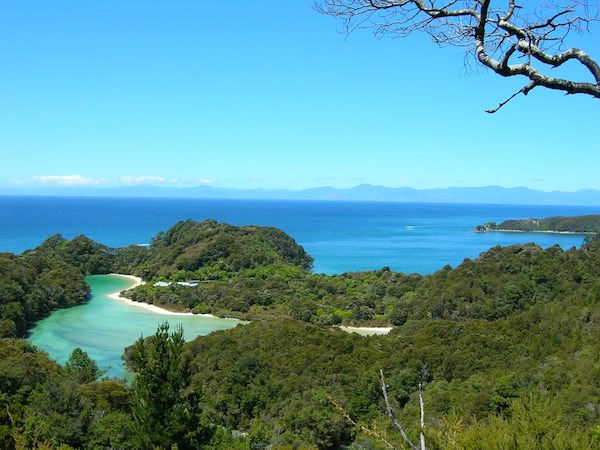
x,y
103,327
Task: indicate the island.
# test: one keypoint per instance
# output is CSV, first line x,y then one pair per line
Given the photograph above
x,y
589,224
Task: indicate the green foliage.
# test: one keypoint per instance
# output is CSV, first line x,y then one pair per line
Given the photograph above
x,y
57,414
41,405
194,246
31,286
534,423
284,291
303,310
501,282
272,379
127,260
490,375
81,367
166,410
88,256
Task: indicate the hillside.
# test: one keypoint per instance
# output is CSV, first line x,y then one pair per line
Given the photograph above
x,y
558,224
33,285
199,248
501,282
524,382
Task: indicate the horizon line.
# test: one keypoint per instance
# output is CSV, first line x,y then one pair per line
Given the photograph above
x,y
97,188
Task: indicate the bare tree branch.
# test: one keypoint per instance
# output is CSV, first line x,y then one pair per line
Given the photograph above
x,y
390,413
525,90
422,408
392,417
491,33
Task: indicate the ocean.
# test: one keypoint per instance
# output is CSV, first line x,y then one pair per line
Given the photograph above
x,y
341,236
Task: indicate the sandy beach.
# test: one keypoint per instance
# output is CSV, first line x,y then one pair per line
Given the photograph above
x,y
137,281
366,331
538,231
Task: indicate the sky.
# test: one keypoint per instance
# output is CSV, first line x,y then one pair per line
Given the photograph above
x,y
267,94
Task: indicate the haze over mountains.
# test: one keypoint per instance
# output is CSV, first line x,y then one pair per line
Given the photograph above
x,y
363,192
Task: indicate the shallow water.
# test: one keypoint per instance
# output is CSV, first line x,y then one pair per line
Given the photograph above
x,y
103,327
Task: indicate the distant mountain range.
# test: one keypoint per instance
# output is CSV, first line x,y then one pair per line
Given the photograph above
x,y
363,192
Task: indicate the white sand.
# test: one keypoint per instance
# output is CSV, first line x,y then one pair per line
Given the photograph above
x,y
137,281
539,231
366,331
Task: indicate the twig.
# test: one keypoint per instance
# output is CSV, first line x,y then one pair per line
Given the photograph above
x,y
355,424
524,90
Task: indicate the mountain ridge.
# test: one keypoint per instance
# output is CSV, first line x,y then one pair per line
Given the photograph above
x,y
363,192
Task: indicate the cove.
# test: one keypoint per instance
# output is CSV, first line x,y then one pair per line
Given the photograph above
x,y
103,327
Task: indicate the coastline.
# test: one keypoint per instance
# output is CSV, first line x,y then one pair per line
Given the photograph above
x,y
538,231
137,281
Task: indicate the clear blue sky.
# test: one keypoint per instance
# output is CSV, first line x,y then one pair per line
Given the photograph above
x,y
266,94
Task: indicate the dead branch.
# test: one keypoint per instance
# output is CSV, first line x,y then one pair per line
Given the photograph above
x,y
390,413
524,90
358,426
492,34
422,408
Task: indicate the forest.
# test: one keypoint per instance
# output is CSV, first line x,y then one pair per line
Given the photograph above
x,y
504,348
502,281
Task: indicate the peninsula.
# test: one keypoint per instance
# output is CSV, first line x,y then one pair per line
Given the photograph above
x,y
557,224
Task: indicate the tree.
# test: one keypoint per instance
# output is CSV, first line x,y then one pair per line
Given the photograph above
x,y
166,409
496,33
82,368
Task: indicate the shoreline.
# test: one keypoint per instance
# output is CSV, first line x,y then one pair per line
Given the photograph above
x,y
539,231
366,331
137,281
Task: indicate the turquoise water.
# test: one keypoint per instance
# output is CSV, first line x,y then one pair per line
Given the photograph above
x,y
103,327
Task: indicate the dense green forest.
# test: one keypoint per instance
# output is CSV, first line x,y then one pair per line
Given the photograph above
x,y
211,249
506,349
558,224
502,281
34,284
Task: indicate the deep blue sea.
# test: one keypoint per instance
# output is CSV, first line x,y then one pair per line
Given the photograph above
x,y
341,236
